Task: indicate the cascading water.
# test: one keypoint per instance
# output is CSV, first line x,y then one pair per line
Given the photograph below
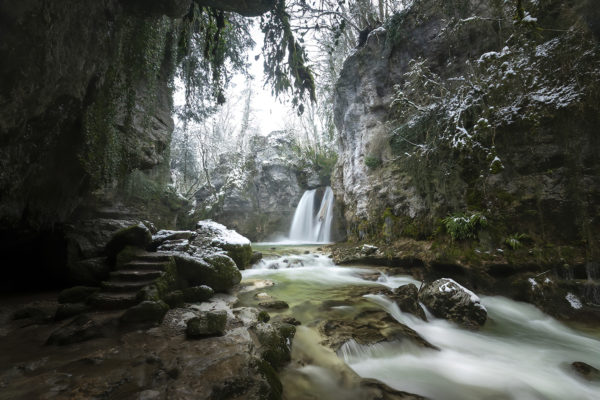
x,y
308,226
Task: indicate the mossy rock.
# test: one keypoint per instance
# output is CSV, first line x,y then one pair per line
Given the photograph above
x,y
147,312
136,236
241,254
274,342
217,271
263,316
210,323
174,299
197,294
76,294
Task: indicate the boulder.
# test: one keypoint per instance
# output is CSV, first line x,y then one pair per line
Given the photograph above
x,y
216,270
263,316
447,299
237,246
136,236
407,299
586,371
82,328
77,294
210,323
146,312
197,294
174,299
274,342
274,304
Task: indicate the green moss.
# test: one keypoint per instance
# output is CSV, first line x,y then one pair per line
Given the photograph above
x,y
372,162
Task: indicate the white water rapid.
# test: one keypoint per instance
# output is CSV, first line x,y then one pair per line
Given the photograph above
x,y
308,227
520,353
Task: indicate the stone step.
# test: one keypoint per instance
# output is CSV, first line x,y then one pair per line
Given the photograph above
x,y
136,275
153,257
143,265
125,286
113,301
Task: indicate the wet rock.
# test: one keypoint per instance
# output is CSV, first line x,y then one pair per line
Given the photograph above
x,y
263,316
198,294
77,294
447,299
380,391
274,304
136,236
262,296
146,312
407,299
82,328
369,327
275,342
291,321
256,257
69,310
586,371
210,323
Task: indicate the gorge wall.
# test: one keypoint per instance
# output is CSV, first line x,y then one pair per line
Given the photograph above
x,y
450,109
256,193
470,128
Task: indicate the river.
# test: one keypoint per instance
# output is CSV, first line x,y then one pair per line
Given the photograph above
x,y
520,353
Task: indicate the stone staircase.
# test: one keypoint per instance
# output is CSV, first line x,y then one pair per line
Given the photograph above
x,y
122,288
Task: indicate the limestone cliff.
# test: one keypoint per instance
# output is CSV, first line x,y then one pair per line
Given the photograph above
x,y
256,193
461,107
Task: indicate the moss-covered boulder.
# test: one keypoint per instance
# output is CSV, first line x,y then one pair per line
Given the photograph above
x,y
76,294
147,312
274,341
216,270
197,294
136,236
210,323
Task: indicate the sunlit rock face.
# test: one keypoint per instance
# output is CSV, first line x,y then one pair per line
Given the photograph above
x,y
443,111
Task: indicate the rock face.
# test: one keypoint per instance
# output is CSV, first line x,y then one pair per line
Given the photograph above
x,y
258,195
449,300
412,152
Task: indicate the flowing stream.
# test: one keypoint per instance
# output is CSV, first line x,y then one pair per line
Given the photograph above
x,y
520,353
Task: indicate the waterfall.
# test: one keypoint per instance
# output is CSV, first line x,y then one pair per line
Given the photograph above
x,y
308,226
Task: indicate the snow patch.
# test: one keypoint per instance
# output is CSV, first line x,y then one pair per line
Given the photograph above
x,y
573,301
533,283
222,234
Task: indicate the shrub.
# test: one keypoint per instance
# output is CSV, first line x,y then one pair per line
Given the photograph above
x,y
463,227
